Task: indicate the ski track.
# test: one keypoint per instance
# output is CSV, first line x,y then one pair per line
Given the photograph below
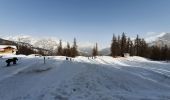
x,y
103,78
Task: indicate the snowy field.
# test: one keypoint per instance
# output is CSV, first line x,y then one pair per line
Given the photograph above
x,y
103,78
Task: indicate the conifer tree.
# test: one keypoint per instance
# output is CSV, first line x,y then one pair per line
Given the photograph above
x,y
95,50
123,44
131,48
128,45
97,53
168,54
119,46
164,53
114,47
60,49
137,46
155,53
74,51
68,50
64,52
143,48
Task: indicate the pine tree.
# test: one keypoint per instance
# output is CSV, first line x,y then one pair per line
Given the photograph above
x,y
131,48
60,49
95,50
143,48
97,53
137,46
119,46
168,54
123,44
128,45
68,50
164,53
114,47
64,52
155,53
74,51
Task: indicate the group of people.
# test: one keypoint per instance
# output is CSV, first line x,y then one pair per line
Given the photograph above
x,y
93,57
14,60
69,58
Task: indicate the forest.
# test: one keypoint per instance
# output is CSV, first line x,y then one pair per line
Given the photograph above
x,y
120,45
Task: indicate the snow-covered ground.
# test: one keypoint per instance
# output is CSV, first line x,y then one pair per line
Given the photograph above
x,y
103,78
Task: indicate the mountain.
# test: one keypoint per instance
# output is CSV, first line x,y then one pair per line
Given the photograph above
x,y
6,42
52,43
45,43
49,43
85,51
105,51
159,40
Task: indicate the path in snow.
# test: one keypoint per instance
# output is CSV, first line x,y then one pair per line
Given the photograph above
x,y
103,78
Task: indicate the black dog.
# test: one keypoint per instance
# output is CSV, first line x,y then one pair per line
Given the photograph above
x,y
14,60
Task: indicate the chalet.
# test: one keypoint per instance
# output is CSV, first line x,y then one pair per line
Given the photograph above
x,y
7,49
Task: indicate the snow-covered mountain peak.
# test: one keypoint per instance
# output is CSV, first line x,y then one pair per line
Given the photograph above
x,y
160,39
21,38
49,43
154,36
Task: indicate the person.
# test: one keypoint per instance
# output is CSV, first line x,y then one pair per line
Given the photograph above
x,y
8,62
44,59
66,58
15,60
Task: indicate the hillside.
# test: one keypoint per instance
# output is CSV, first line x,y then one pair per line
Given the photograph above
x,y
48,43
159,40
6,42
103,78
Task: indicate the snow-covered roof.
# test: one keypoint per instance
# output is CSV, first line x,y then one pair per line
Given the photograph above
x,y
4,46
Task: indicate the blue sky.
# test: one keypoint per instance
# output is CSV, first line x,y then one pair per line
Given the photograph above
x,y
87,20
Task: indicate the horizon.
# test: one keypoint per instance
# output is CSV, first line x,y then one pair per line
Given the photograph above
x,y
89,21
151,37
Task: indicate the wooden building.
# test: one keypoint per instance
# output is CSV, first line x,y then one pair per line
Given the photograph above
x,y
7,49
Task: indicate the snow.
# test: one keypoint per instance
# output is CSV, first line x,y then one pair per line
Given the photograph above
x,y
4,46
83,78
154,36
50,43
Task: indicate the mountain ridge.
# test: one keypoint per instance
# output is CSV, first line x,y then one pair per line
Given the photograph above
x,y
160,40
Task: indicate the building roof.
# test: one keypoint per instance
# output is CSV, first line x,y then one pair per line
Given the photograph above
x,y
5,46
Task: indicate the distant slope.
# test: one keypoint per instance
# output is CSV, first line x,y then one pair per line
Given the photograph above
x,y
105,51
6,42
50,43
45,43
159,40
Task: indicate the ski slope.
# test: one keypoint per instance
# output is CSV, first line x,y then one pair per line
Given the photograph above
x,y
103,78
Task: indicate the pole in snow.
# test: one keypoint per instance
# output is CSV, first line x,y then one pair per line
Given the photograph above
x,y
44,60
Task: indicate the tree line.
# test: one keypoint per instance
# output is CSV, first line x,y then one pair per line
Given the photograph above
x,y
137,47
120,45
68,50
